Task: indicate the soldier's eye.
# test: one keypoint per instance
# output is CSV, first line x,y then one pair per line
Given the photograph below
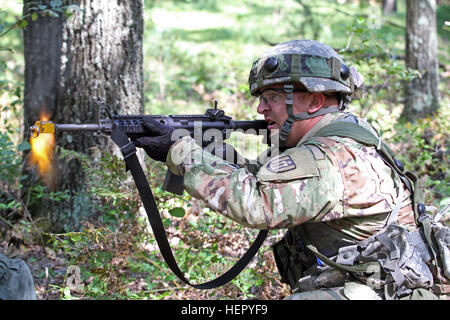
x,y
274,97
263,99
269,97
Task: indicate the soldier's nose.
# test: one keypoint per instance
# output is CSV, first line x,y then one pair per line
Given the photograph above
x,y
262,107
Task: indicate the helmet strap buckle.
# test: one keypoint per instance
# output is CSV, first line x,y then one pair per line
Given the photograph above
x,y
285,130
287,125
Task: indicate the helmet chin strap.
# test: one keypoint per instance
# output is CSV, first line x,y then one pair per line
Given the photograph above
x,y
287,125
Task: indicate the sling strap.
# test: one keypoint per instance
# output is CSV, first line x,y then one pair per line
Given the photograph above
x,y
128,150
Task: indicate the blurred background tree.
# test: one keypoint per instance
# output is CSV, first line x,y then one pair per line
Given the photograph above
x,y
422,96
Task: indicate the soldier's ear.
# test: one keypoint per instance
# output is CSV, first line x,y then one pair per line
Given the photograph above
x,y
316,102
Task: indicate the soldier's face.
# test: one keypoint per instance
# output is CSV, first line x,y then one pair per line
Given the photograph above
x,y
273,106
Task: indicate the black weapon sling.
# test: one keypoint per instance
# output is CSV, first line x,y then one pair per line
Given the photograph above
x,y
128,150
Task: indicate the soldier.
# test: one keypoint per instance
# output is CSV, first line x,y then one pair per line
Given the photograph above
x,y
353,229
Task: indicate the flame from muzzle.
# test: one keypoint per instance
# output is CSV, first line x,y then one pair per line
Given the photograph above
x,y
41,157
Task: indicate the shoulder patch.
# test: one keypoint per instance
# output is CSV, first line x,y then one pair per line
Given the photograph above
x,y
281,164
293,164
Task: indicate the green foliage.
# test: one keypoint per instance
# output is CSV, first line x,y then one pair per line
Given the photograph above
x,y
35,9
11,176
424,150
10,161
178,212
383,71
101,252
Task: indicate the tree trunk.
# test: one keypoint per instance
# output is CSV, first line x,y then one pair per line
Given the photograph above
x,y
421,94
71,64
389,6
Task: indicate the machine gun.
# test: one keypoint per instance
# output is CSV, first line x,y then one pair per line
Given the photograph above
x,y
214,120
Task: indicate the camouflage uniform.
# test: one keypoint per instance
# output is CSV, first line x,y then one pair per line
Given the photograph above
x,y
336,181
333,191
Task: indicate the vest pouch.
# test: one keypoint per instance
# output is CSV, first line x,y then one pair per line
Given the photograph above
x,y
441,236
420,294
401,260
287,264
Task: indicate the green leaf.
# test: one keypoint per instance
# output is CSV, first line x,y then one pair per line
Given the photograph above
x,y
177,212
34,16
23,146
23,23
66,292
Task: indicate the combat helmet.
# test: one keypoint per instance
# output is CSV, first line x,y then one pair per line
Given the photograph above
x,y
308,62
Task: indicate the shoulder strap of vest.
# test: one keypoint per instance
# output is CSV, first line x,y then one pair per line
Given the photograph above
x,y
364,136
360,134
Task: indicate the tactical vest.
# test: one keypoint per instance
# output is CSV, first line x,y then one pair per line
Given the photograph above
x,y
402,261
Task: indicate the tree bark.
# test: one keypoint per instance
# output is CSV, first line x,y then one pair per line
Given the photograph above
x,y
421,94
71,64
389,6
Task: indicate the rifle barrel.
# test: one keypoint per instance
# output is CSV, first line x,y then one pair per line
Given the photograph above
x,y
249,124
50,127
77,127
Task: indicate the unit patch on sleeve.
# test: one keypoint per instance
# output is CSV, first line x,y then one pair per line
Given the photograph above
x,y
281,164
296,163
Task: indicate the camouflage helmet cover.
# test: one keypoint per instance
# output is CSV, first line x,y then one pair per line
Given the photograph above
x,y
313,64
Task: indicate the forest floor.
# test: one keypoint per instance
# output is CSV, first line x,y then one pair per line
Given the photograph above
x,y
49,269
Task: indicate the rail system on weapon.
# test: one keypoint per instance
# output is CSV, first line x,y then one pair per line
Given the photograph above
x,y
132,125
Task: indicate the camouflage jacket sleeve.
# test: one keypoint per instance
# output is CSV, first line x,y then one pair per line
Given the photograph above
x,y
287,190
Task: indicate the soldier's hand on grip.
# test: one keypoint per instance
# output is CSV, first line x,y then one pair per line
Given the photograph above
x,y
158,141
